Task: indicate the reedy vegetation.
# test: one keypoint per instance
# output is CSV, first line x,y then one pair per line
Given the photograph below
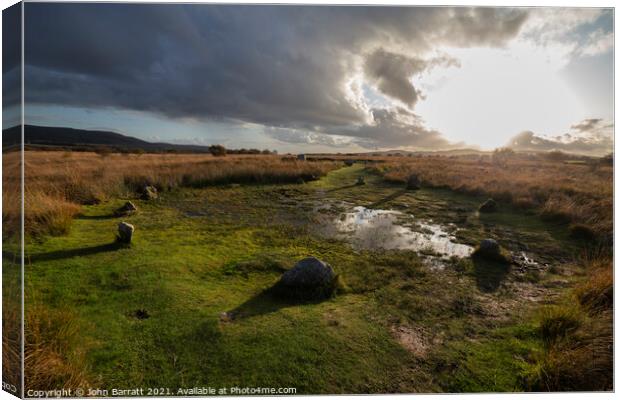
x,y
578,336
576,193
57,183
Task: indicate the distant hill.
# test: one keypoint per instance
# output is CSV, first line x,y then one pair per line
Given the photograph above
x,y
44,136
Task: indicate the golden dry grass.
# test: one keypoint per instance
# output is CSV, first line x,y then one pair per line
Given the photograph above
x,y
11,337
579,336
57,183
575,193
51,360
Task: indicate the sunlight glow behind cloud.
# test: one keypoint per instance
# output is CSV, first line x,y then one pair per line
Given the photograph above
x,y
499,92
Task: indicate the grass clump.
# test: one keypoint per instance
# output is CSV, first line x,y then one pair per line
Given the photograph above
x,y
11,333
46,215
596,294
581,360
465,305
582,232
578,337
52,360
558,322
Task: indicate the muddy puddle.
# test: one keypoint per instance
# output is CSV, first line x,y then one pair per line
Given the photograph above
x,y
367,228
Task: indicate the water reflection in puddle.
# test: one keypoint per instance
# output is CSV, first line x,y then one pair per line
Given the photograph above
x,y
368,228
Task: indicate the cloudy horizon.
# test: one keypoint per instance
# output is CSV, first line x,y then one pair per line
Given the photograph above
x,y
318,78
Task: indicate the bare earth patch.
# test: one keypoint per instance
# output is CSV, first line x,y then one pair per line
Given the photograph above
x,y
412,339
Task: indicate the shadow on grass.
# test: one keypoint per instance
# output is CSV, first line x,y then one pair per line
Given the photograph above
x,y
341,188
489,273
265,302
97,217
10,256
390,197
84,251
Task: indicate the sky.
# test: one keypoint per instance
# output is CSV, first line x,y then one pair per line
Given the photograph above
x,y
324,79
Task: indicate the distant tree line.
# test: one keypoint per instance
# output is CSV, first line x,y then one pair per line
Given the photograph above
x,y
106,150
218,150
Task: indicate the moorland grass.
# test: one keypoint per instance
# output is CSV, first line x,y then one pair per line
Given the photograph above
x,y
149,314
559,191
57,183
578,336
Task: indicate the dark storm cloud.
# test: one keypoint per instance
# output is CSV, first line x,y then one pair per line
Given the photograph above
x,y
591,136
392,72
280,66
11,56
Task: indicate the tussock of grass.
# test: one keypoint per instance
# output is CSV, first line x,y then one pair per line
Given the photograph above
x,y
11,337
51,360
558,322
578,337
45,214
582,232
582,360
466,304
596,294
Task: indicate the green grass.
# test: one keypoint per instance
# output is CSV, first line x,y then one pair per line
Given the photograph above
x,y
496,363
200,252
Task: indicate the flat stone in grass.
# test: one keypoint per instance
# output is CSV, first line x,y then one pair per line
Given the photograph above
x,y
149,193
125,232
127,209
413,183
309,279
488,206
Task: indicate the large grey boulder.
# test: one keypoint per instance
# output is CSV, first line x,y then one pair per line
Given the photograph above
x,y
125,232
488,206
310,278
149,193
413,183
